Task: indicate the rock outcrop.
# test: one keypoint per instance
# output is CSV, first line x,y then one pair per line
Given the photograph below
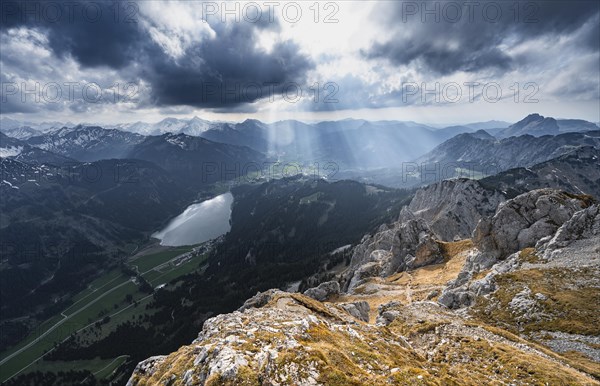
x,y
404,246
323,291
360,310
584,225
444,211
295,340
518,224
452,208
521,222
260,299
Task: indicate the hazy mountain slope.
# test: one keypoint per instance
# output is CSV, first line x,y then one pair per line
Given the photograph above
x,y
195,160
377,144
292,139
488,125
87,143
486,154
349,143
533,124
451,131
325,126
568,125
21,132
22,151
251,133
537,125
576,172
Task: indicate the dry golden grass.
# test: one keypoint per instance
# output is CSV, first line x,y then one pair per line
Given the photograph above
x,y
481,274
528,255
478,362
437,274
452,249
568,308
583,363
344,361
586,198
407,287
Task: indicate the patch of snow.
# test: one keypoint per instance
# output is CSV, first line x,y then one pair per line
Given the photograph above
x,y
9,184
340,249
10,151
176,141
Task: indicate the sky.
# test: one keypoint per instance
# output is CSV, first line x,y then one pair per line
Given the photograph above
x,y
431,62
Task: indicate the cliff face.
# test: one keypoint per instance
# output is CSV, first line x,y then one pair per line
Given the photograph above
x,y
452,208
518,304
446,211
518,224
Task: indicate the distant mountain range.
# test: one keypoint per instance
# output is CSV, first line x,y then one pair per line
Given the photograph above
x,y
87,143
194,126
537,125
24,129
375,152
195,160
351,143
485,153
576,172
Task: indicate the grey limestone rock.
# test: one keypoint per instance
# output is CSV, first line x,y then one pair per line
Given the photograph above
x,y
323,291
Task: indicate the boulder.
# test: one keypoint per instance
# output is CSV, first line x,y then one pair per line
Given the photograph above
x,y
147,367
388,312
359,310
428,252
521,222
406,245
323,291
584,224
260,299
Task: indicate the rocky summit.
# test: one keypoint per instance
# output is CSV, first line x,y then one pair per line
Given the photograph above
x,y
514,302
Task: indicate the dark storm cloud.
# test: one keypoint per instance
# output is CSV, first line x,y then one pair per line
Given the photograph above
x,y
13,105
472,55
226,70
436,34
95,33
591,37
